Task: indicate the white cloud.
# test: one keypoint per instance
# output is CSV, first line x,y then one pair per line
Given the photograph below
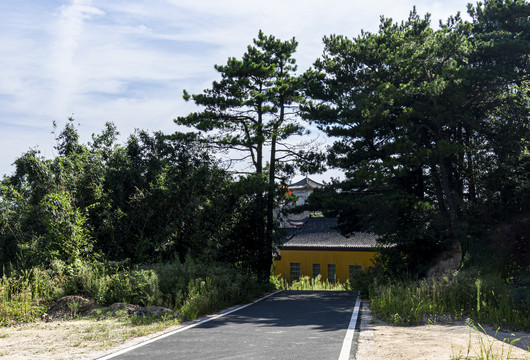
x,y
63,61
128,61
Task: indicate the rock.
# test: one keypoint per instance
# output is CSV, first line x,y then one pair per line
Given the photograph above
x,y
153,311
69,307
129,308
45,317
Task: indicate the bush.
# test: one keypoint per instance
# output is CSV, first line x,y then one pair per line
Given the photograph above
x,y
192,288
196,289
488,300
134,286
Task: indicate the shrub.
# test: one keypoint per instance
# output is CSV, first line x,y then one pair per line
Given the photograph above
x,y
134,286
192,288
196,289
308,283
487,299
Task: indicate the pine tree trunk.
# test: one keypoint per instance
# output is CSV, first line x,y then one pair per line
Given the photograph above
x,y
262,269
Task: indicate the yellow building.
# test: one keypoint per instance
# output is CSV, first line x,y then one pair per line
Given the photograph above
x,y
317,248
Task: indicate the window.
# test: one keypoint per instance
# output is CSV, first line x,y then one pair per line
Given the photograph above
x,y
354,269
294,271
316,270
332,273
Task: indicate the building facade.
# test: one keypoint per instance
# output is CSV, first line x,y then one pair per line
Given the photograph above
x,y
317,248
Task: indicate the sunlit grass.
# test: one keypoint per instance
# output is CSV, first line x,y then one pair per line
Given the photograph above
x,y
308,283
450,298
191,289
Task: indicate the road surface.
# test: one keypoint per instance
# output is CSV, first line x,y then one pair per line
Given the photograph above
x,y
287,325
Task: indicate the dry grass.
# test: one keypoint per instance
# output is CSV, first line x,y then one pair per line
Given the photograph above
x,y
74,339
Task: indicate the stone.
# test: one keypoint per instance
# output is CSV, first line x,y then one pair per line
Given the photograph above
x,y
153,311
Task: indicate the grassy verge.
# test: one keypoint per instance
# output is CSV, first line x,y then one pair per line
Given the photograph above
x,y
307,283
190,288
486,300
77,338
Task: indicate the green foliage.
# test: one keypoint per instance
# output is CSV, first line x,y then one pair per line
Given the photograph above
x,y
66,236
487,300
12,205
133,286
108,284
152,199
23,294
195,289
432,128
190,288
308,283
161,195
253,110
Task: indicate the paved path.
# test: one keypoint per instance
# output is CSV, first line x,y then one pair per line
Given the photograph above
x,y
288,325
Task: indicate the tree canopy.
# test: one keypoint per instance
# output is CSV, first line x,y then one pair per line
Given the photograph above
x,y
432,125
253,110
151,199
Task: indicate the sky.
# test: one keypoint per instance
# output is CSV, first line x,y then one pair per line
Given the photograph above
x,y
128,61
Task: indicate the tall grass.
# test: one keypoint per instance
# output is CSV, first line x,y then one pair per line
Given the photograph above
x,y
308,283
486,300
23,295
190,288
195,289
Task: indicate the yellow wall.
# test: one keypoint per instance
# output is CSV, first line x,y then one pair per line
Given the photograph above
x,y
306,258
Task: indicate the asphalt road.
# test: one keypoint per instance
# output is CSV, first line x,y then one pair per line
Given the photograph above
x,y
287,325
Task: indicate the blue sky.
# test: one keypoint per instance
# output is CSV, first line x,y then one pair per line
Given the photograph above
x,y
127,61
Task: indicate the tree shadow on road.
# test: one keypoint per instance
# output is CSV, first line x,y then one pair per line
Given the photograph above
x,y
322,310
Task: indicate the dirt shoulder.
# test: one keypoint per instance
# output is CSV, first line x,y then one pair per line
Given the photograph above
x,y
72,339
81,339
380,341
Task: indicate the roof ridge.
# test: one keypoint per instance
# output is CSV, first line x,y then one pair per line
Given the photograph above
x,y
305,182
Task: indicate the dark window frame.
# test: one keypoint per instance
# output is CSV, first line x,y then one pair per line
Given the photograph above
x,y
315,274
332,273
294,268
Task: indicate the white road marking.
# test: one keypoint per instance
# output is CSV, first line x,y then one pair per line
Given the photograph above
x,y
110,356
348,339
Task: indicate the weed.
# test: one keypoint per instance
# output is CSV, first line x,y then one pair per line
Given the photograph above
x,y
73,306
19,299
189,288
307,283
165,319
486,347
449,298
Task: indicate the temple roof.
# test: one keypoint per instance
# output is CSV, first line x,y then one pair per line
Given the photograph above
x,y
305,183
321,233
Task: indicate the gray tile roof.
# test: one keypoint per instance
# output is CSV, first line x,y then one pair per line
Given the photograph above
x,y
321,233
305,182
